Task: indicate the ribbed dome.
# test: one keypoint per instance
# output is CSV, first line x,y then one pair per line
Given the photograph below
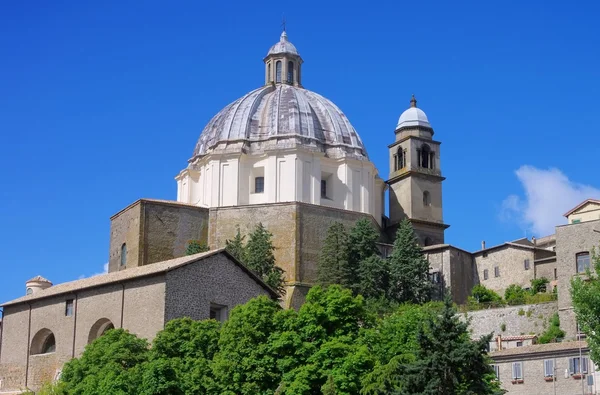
x,y
283,46
413,117
280,117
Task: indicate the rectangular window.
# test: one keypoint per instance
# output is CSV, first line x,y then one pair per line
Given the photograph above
x,y
519,344
259,185
517,370
218,312
497,271
526,264
575,221
555,274
485,274
69,308
583,262
323,188
435,277
549,368
578,365
496,371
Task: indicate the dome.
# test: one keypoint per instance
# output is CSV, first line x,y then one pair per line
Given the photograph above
x,y
280,116
283,46
413,117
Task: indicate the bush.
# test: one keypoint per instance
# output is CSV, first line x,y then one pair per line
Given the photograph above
x,y
539,285
540,298
553,333
481,297
515,295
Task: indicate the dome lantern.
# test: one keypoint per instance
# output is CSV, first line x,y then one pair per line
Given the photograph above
x,y
283,63
413,117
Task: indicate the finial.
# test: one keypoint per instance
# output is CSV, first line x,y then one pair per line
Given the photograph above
x,y
283,23
413,101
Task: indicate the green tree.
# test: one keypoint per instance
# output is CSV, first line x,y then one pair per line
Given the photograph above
x,y
362,242
195,247
483,297
447,361
180,357
261,260
373,278
236,246
515,295
539,285
409,270
111,364
585,294
245,362
334,265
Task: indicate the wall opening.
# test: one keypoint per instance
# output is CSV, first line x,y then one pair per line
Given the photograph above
x,y
124,254
43,342
101,326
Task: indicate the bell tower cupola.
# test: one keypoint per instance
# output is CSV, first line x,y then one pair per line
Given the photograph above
x,y
415,179
283,63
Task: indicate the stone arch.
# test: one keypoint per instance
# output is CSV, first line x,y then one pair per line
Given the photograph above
x,y
428,242
43,342
100,328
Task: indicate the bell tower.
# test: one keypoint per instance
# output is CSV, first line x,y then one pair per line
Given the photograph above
x,y
416,178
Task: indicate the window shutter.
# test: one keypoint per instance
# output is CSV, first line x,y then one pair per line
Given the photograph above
x,y
571,366
517,370
548,368
584,365
514,370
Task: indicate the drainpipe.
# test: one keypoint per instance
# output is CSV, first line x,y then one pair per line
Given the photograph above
x,y
74,325
28,347
122,302
1,331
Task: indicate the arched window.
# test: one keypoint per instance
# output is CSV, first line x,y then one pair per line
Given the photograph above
x,y
290,72
401,157
278,71
101,326
425,156
428,242
426,199
124,254
29,291
269,77
43,342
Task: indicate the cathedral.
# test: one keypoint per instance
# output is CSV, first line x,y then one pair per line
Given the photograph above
x,y
289,158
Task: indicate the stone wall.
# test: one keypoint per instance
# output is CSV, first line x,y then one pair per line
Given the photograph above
x,y
155,231
279,219
571,240
511,263
168,227
125,228
192,288
533,319
142,300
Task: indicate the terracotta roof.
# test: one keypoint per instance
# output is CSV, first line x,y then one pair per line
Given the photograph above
x,y
541,349
580,205
39,279
133,273
520,337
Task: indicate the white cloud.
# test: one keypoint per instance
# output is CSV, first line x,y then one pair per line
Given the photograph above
x,y
104,271
548,195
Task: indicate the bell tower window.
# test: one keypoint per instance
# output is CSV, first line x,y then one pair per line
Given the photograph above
x,y
278,71
290,72
401,159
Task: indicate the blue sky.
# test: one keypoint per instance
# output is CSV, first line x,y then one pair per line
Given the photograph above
x,y
102,103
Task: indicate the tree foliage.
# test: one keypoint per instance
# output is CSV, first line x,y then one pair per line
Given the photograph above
x,y
110,365
332,345
195,247
334,263
553,333
515,295
585,294
409,270
258,255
